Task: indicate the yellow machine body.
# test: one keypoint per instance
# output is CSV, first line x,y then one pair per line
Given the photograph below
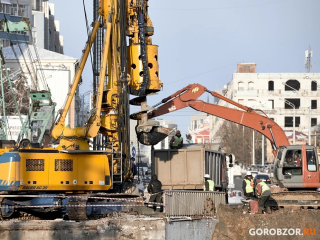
x,y
9,171
64,172
135,67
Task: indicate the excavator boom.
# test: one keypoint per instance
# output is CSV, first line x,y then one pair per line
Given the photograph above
x,y
188,97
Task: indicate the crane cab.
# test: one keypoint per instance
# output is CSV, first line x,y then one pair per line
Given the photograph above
x,y
297,166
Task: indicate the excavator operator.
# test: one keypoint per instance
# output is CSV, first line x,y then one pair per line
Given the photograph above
x,y
176,141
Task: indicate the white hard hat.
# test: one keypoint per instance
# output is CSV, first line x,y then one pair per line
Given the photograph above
x,y
248,173
206,176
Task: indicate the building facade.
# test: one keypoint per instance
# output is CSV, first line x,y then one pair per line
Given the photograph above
x,y
40,13
55,70
279,95
12,12
200,128
45,28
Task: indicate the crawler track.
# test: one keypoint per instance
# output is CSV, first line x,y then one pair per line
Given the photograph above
x,y
303,199
75,210
77,213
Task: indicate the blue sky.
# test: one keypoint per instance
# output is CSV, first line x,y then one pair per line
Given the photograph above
x,y
202,41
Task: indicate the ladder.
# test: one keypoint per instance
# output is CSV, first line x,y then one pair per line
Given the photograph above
x,y
116,163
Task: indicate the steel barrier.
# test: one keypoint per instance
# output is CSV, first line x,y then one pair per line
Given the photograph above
x,y
178,203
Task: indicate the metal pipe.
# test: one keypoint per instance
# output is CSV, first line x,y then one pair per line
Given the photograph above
x,y
294,118
4,119
275,144
294,126
262,145
310,125
253,153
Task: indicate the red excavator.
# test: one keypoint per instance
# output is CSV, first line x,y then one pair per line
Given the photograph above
x,y
296,167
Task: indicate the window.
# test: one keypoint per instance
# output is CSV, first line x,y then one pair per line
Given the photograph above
x,y
313,104
241,101
271,86
250,86
288,121
247,68
292,85
292,164
294,101
6,8
240,86
271,104
311,161
22,10
314,122
251,102
5,43
314,86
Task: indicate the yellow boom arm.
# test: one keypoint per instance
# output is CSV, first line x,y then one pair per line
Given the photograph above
x,y
59,127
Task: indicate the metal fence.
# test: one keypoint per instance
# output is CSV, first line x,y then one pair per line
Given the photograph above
x,y
179,203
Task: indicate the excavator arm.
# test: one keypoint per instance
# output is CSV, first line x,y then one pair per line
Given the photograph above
x,y
188,97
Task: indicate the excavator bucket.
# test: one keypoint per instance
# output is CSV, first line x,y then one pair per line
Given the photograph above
x,y
148,131
151,135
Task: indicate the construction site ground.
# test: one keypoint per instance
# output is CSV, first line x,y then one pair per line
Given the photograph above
x,y
235,225
231,223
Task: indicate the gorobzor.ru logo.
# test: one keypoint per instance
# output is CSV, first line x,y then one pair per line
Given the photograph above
x,y
282,231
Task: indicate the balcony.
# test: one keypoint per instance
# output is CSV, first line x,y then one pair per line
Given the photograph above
x,y
289,112
277,93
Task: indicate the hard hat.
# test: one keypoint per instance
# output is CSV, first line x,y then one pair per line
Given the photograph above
x,y
206,176
248,173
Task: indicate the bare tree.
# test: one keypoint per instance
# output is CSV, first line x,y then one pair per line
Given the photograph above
x,y
237,139
20,90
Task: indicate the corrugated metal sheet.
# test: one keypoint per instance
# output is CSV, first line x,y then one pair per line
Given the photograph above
x,y
178,203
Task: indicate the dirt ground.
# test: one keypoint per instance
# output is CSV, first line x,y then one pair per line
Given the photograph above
x,y
285,224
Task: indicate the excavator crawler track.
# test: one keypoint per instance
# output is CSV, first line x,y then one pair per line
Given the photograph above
x,y
77,213
302,199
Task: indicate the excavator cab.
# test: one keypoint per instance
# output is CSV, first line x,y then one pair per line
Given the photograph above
x,y
296,166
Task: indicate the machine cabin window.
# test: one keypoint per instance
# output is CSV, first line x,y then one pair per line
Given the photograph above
x,y
311,161
292,164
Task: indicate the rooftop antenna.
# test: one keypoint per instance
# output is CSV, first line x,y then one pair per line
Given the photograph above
x,y
307,61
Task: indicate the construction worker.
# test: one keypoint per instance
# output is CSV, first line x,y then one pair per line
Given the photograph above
x,y
209,184
263,192
134,168
247,185
176,141
154,188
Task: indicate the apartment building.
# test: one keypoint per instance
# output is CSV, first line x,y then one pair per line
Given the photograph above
x,y
279,95
40,13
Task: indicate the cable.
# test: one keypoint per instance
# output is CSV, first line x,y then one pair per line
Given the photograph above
x,y
199,74
38,60
88,30
203,9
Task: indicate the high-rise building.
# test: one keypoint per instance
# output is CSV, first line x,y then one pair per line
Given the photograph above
x,y
40,13
45,29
